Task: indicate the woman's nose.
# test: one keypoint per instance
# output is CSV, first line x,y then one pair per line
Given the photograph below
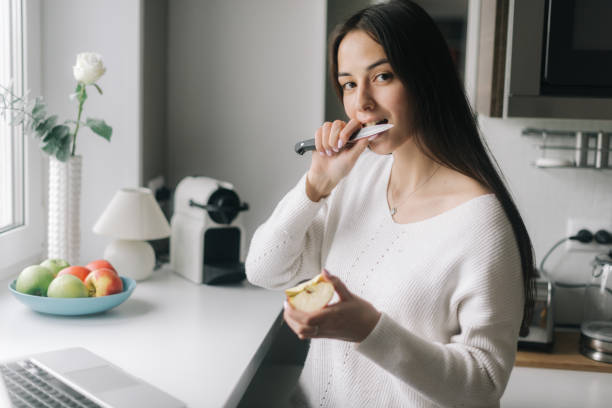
x,y
365,101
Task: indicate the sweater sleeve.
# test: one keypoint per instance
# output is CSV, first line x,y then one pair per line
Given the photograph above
x,y
473,368
286,249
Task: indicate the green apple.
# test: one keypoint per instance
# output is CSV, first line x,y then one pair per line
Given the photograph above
x,y
34,280
55,265
67,286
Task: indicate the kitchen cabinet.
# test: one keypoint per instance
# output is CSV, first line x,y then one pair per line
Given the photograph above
x,y
544,59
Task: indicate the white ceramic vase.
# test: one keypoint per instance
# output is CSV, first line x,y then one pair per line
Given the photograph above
x,y
64,233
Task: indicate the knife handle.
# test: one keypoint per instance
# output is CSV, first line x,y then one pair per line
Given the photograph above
x,y
305,146
308,145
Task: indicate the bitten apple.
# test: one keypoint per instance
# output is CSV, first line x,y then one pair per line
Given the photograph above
x,y
312,295
103,282
99,264
80,272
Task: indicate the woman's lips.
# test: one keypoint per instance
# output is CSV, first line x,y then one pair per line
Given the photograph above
x,y
372,123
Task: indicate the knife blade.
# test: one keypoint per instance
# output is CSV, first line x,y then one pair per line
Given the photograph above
x,y
369,131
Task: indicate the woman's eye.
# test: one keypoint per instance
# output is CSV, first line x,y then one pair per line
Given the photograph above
x,y
348,85
385,76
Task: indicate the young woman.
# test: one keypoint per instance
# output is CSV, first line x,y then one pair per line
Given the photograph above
x,y
429,257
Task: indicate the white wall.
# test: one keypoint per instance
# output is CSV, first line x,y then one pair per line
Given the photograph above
x,y
245,84
111,28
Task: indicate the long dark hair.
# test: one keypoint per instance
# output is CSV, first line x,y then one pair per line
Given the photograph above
x,y
445,126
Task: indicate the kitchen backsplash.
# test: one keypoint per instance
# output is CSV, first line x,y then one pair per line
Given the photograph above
x,y
548,197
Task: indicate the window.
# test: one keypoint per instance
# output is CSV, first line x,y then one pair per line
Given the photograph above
x,y
11,138
22,173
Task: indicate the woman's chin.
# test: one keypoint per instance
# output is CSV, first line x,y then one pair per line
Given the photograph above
x,y
379,146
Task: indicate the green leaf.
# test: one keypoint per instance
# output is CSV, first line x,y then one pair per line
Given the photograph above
x,y
57,142
43,127
59,133
98,88
100,127
38,113
78,87
51,147
63,151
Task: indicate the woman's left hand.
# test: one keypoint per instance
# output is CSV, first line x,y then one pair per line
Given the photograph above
x,y
350,319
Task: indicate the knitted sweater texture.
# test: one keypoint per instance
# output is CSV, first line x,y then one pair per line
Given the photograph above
x,y
449,289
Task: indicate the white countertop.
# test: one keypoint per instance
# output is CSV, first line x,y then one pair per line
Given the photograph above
x,y
547,388
201,344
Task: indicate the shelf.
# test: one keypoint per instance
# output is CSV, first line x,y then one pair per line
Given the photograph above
x,y
564,356
584,153
554,163
588,149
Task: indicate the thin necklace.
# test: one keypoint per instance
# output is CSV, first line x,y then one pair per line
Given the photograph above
x,y
394,208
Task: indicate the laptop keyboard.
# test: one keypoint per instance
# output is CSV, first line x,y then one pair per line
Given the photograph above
x,y
30,386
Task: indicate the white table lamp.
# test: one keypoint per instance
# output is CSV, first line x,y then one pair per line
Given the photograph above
x,y
132,217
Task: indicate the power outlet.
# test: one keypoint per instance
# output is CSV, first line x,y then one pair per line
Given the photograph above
x,y
576,224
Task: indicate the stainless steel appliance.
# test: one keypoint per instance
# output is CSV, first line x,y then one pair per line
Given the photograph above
x,y
541,330
596,327
545,59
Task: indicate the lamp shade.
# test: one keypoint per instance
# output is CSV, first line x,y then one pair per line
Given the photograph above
x,y
133,214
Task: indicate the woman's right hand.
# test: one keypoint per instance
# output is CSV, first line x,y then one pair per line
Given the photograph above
x,y
334,159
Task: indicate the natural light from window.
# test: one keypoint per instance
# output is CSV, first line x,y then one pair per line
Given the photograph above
x,y
11,138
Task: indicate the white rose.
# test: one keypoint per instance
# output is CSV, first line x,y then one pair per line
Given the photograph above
x,y
89,68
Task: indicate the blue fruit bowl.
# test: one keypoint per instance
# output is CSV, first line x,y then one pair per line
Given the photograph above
x,y
75,306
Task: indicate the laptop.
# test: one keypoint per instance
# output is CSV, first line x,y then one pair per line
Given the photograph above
x,y
75,377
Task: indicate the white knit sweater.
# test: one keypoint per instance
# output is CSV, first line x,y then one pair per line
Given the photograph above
x,y
449,289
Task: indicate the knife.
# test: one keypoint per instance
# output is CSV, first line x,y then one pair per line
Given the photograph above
x,y
307,145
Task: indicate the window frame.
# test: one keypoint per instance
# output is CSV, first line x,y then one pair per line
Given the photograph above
x,y
12,140
24,245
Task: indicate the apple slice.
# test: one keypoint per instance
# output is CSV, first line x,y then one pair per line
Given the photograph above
x,y
299,288
311,295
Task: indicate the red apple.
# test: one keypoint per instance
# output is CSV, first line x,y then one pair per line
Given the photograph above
x,y
99,264
80,272
103,282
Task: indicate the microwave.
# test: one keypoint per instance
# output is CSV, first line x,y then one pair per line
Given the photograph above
x,y
545,59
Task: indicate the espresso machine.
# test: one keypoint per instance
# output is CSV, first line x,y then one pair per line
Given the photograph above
x,y
207,242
